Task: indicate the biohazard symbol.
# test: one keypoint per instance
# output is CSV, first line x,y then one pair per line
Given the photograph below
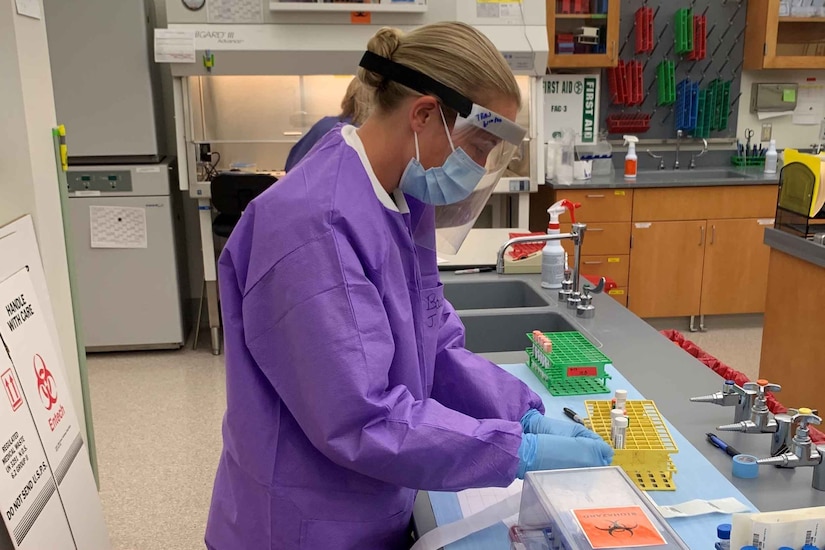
x,y
46,386
578,87
617,527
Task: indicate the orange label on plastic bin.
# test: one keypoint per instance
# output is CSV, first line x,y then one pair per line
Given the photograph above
x,y
360,17
582,371
623,527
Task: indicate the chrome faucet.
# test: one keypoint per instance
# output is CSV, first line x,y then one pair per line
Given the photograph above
x,y
783,437
731,395
694,157
660,158
679,135
760,420
802,451
577,236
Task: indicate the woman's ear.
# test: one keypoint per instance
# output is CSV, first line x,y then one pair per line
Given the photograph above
x,y
423,111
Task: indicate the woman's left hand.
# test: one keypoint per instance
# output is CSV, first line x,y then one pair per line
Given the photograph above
x,y
536,423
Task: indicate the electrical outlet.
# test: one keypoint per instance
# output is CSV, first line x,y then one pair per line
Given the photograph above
x,y
767,130
205,152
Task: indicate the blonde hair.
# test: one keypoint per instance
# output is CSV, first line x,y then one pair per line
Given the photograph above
x,y
455,54
356,103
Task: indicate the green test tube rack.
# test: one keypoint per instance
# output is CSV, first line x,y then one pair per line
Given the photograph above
x,y
721,91
666,83
574,367
705,114
683,30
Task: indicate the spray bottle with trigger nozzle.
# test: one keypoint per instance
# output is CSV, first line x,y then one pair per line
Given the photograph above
x,y
553,255
631,161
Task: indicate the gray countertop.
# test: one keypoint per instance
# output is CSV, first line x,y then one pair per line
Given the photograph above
x,y
663,372
702,177
795,246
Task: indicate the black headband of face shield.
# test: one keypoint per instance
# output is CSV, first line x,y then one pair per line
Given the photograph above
x,y
417,81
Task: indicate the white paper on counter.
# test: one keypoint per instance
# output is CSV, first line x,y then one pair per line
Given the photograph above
x,y
699,507
174,46
118,227
473,501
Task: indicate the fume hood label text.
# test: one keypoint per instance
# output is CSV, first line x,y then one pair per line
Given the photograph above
x,y
519,61
174,46
498,8
219,37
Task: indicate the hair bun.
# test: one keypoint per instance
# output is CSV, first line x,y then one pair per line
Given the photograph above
x,y
383,43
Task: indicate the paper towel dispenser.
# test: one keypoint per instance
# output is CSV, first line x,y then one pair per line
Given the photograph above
x,y
766,97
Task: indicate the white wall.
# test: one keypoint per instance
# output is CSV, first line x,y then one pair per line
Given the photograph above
x,y
28,177
785,132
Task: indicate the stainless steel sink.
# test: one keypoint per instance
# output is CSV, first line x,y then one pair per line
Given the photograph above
x,y
506,331
492,295
710,174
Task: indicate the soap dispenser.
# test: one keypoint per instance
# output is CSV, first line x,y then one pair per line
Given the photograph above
x,y
553,255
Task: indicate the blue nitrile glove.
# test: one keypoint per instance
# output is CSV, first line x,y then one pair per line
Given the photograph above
x,y
533,422
556,452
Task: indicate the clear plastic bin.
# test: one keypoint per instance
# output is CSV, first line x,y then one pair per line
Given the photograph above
x,y
591,508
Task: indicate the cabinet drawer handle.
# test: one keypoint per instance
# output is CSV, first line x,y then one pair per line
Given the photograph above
x,y
701,235
592,263
712,233
594,196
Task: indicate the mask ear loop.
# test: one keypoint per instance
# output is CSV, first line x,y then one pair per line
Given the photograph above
x,y
417,153
446,129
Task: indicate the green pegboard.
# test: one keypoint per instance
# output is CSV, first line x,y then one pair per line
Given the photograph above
x,y
567,386
666,83
683,30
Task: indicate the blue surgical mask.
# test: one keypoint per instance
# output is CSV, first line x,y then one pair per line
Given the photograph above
x,y
449,183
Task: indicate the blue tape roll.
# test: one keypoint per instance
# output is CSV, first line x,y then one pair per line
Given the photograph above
x,y
745,467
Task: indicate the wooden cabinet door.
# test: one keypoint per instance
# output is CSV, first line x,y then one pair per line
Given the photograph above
x,y
735,278
599,205
666,268
611,238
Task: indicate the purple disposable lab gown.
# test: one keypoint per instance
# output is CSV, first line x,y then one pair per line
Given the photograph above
x,y
348,386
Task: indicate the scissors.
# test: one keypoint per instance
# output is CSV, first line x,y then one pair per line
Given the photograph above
x,y
748,136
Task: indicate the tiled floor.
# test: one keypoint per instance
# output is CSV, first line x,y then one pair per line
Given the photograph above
x,y
157,423
157,426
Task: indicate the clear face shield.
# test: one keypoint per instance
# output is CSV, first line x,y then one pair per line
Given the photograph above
x,y
490,140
